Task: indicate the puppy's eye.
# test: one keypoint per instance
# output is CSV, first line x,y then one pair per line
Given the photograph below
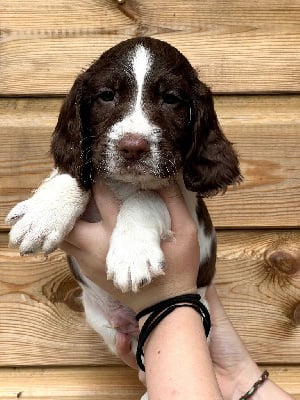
x,y
171,98
106,95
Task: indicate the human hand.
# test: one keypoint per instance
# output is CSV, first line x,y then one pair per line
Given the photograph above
x,y
89,243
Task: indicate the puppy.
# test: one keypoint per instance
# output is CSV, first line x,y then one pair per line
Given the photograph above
x,y
137,118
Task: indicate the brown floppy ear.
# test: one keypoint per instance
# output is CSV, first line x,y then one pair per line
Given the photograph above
x,y
211,163
71,144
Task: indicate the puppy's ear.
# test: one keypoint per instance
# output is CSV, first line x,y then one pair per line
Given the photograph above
x,y
71,144
211,163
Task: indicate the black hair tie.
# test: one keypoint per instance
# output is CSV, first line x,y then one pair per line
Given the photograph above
x,y
160,310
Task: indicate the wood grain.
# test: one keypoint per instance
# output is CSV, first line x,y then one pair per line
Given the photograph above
x,y
236,47
71,383
41,314
264,129
287,377
100,383
258,279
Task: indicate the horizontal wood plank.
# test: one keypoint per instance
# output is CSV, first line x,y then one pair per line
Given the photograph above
x,y
258,279
264,129
101,383
62,16
236,47
287,377
105,383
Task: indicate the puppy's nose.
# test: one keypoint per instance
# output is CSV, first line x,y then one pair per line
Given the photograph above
x,y
133,147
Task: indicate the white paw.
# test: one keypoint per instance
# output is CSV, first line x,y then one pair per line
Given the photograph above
x,y
133,261
41,222
37,226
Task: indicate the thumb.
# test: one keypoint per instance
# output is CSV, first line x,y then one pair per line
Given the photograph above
x,y
176,205
107,203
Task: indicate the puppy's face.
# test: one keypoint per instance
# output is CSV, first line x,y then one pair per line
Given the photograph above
x,y
140,114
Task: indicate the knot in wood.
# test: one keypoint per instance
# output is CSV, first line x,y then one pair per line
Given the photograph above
x,y
283,261
73,300
297,314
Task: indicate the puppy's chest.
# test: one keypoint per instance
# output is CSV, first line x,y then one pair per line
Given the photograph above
x,y
124,190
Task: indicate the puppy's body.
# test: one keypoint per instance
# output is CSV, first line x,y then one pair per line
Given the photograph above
x,y
138,118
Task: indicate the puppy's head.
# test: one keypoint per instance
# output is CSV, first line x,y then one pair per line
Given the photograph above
x,y
140,114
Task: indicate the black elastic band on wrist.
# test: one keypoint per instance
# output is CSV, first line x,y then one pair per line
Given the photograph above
x,y
160,310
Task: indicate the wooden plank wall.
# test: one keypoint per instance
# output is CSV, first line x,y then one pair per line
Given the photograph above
x,y
249,53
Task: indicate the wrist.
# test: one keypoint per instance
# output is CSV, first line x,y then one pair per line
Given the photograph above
x,y
154,315
248,374
236,379
159,299
263,388
151,295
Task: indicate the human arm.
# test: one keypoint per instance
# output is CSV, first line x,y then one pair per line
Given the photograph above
x,y
177,360
235,370
176,354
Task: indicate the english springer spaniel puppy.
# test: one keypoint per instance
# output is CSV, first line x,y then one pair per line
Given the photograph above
x,y
137,118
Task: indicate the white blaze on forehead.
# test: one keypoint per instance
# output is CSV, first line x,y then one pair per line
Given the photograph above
x,y
140,64
136,119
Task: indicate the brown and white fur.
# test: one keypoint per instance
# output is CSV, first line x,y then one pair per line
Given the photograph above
x,y
137,118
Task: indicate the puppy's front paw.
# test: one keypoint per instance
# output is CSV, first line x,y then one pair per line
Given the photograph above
x,y
41,222
132,263
36,227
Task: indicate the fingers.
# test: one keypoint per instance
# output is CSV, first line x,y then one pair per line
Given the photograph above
x,y
176,205
83,234
107,203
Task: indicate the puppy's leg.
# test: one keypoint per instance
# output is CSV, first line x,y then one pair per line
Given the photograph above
x,y
97,319
135,256
107,316
41,222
